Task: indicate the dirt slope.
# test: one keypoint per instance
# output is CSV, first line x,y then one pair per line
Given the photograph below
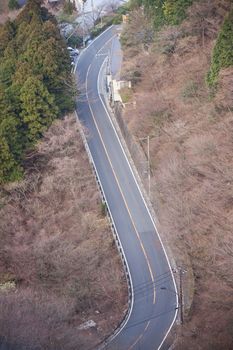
x,y
191,159
58,263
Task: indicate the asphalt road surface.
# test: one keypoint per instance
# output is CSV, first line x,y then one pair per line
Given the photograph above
x,y
153,310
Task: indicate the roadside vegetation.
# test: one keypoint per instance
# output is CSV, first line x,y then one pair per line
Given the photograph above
x,y
59,266
62,284
35,84
3,6
222,56
163,12
105,15
69,7
13,4
179,59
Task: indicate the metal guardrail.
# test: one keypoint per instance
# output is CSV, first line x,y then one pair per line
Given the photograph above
x,y
103,344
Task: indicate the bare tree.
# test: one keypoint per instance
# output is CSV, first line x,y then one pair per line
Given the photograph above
x,y
112,5
98,11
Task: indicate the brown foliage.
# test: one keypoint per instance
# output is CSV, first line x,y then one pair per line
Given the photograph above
x,y
191,158
58,249
223,98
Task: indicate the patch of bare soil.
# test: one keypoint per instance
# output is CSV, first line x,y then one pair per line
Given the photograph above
x,y
4,6
59,267
5,13
191,157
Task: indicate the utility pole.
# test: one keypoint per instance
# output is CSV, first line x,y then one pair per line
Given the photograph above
x,y
178,293
83,22
92,10
181,298
147,138
109,62
148,163
181,273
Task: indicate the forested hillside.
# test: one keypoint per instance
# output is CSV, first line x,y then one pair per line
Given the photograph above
x,y
35,84
222,56
59,267
178,55
62,284
164,11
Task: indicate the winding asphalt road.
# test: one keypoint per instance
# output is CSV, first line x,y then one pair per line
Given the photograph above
x,y
153,310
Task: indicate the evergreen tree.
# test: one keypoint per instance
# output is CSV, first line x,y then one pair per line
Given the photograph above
x,y
223,51
154,9
10,131
10,170
7,69
135,3
35,83
7,33
38,108
164,11
55,69
32,8
13,4
69,7
175,10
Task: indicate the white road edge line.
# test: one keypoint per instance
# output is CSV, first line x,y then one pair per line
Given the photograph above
x,y
131,300
132,290
126,205
125,321
75,68
111,337
152,220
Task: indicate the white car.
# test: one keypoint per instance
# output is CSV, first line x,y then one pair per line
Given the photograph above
x,y
73,52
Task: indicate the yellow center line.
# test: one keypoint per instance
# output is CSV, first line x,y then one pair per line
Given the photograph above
x,y
147,325
140,336
126,205
136,341
116,178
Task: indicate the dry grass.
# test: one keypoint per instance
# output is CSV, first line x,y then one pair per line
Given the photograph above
x,y
57,247
3,6
5,14
191,156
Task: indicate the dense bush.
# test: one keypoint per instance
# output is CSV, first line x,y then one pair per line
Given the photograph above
x,y
69,7
175,11
75,41
164,11
35,84
13,4
223,51
135,3
108,21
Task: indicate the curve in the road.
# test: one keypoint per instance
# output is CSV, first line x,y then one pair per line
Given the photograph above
x,y
153,311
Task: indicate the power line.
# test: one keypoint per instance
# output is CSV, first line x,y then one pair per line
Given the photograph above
x,y
149,291
151,283
152,287
148,282
151,318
